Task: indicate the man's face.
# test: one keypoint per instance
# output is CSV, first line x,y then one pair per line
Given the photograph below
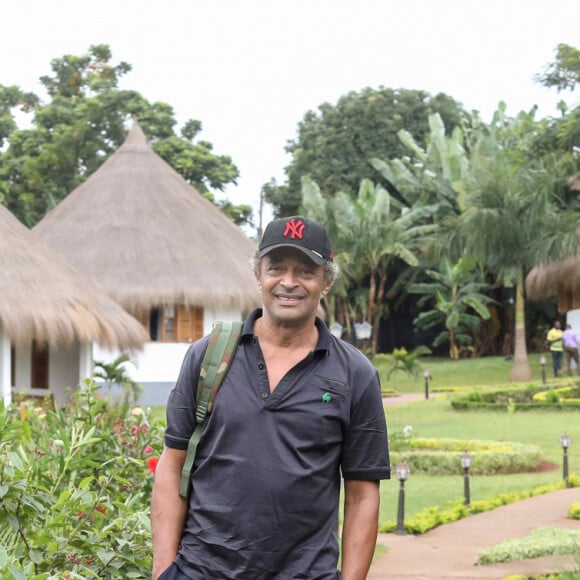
x,y
291,286
557,324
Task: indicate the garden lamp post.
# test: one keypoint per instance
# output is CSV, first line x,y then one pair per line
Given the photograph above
x,y
565,443
427,375
466,463
402,471
543,363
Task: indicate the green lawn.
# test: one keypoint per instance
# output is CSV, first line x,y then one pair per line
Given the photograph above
x,y
462,373
436,418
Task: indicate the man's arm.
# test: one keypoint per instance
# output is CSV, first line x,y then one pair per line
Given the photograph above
x,y
360,526
168,510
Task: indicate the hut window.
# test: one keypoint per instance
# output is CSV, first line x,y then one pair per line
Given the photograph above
x,y
39,374
176,323
168,324
189,323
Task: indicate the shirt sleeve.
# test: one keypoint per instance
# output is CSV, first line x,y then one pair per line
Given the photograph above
x,y
181,404
365,453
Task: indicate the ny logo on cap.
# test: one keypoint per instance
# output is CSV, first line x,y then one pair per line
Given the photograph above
x,y
294,229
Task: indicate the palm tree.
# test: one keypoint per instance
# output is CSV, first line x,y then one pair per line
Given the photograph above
x,y
115,373
458,304
510,200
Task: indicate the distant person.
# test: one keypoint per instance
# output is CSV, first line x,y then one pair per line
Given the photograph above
x,y
298,411
571,342
554,340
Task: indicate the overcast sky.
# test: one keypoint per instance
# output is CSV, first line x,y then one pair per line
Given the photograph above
x,y
250,69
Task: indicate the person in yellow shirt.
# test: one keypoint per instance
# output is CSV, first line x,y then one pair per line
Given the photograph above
x,y
554,340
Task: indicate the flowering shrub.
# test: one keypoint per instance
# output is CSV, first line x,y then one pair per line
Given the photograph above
x,y
75,486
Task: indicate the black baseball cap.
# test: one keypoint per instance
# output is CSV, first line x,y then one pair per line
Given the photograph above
x,y
298,232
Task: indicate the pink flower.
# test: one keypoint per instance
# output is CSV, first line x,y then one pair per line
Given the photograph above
x,y
148,450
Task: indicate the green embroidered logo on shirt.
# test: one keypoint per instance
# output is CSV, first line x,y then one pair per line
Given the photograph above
x,y
326,398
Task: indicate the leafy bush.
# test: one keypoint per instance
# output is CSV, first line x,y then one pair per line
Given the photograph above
x,y
531,397
75,485
540,542
442,456
434,516
574,511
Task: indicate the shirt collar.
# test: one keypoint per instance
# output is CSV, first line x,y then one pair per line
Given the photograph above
x,y
323,332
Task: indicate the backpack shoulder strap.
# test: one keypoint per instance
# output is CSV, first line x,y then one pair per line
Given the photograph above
x,y
222,345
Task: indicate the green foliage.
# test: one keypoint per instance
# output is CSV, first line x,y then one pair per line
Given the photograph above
x,y
574,511
455,294
335,143
441,456
540,542
564,73
116,373
85,120
435,516
402,361
75,488
529,398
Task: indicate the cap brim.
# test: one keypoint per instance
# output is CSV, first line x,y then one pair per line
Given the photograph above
x,y
316,258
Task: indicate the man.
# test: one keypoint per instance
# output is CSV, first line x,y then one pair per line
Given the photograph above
x,y
571,343
554,340
297,409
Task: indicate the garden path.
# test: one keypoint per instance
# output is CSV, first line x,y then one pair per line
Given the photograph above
x,y
450,551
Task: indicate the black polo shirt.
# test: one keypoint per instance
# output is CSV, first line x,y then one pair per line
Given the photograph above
x,y
266,480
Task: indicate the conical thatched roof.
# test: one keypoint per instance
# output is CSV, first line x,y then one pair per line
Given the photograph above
x,y
148,237
44,298
560,279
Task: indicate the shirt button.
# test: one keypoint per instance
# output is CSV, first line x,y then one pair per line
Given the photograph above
x,y
254,341
265,395
261,367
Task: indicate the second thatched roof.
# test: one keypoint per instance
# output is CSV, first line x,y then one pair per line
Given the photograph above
x,y
147,237
560,279
45,299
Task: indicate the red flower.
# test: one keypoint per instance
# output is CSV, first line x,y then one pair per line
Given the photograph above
x,y
101,509
152,464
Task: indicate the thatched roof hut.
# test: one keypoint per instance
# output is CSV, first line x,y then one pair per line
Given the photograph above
x,y
149,238
43,298
560,279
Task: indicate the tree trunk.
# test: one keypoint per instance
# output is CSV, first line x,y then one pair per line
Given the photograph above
x,y
521,370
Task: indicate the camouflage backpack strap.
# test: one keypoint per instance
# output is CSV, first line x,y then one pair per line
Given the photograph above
x,y
222,345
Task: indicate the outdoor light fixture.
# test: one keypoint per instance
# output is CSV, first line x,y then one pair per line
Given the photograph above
x,y
427,375
466,463
565,443
543,363
402,472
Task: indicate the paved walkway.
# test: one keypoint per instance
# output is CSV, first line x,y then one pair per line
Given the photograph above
x,y
450,551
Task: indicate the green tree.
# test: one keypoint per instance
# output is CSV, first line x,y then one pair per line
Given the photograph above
x,y
116,373
511,202
335,143
457,301
85,119
564,72
369,233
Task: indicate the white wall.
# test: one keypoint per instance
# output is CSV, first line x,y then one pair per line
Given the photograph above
x,y
160,362
5,369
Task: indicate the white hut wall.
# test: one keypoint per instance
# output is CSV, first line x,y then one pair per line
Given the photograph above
x,y
5,368
157,366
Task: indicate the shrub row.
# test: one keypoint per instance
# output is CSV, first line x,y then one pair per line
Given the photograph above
x,y
442,456
434,516
530,398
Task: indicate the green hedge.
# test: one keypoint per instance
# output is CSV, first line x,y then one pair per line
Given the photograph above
x,y
442,456
434,516
529,398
